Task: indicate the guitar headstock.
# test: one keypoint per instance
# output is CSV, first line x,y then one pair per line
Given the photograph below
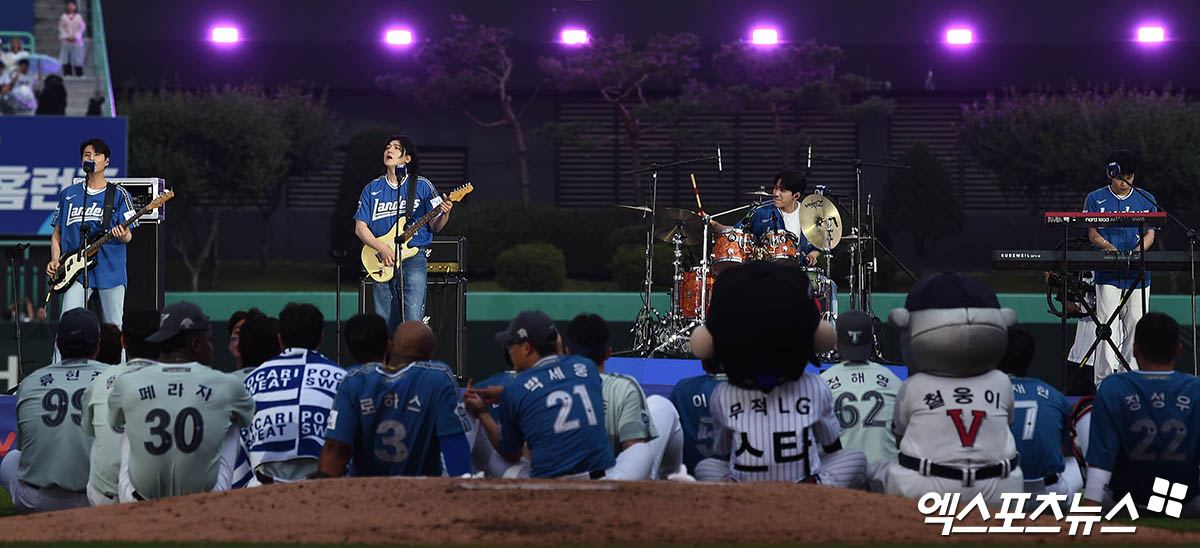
x,y
160,200
460,192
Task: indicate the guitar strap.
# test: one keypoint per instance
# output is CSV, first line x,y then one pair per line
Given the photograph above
x,y
409,197
109,196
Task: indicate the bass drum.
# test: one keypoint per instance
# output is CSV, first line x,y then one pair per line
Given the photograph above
x,y
732,247
689,293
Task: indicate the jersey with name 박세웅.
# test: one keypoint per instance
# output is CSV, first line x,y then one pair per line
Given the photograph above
x,y
1124,238
774,436
1146,425
956,421
1040,427
557,407
378,202
84,205
690,397
864,400
176,419
54,447
394,421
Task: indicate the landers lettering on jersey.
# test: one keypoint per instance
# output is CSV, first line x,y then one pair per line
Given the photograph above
x,y
388,208
95,212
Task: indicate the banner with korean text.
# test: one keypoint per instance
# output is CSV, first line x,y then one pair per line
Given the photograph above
x,y
39,156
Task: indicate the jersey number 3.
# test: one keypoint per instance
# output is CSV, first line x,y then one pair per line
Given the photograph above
x,y
564,400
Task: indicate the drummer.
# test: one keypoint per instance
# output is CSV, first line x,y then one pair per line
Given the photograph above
x,y
783,215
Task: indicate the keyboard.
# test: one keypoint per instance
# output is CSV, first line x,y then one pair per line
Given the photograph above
x,y
1081,218
1034,259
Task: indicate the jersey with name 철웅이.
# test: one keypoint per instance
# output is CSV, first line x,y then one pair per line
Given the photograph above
x,y
626,416
1146,425
557,407
176,418
1040,428
956,421
54,447
690,397
864,399
86,206
1124,238
378,202
394,420
106,449
774,436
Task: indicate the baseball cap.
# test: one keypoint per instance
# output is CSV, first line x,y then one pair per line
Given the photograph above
x,y
529,326
950,290
79,324
854,340
177,318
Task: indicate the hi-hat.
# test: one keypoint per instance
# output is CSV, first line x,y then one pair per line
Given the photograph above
x,y
669,220
819,219
642,209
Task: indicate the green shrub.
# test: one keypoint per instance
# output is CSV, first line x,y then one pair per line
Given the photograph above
x,y
628,266
531,267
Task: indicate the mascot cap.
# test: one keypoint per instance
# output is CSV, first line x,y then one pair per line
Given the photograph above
x,y
950,290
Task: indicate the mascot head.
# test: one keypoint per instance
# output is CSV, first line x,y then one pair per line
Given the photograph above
x,y
952,325
763,327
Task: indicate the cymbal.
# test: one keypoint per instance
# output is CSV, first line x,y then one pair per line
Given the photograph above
x,y
760,193
818,216
642,209
855,237
669,220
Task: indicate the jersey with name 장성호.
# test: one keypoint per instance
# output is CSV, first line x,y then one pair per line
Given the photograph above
x,y
690,397
54,447
864,399
626,415
956,421
378,202
106,448
774,436
1040,427
84,205
176,419
1124,238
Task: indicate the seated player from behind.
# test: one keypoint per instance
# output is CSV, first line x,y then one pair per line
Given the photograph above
x,y
864,392
1039,425
402,419
258,341
555,404
367,341
180,416
690,397
50,470
1142,426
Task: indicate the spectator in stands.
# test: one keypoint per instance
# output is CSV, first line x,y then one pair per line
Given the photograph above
x,y
70,33
52,100
16,90
235,324
367,340
258,341
16,51
110,344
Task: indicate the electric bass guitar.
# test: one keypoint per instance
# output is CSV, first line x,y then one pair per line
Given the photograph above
x,y
371,260
76,261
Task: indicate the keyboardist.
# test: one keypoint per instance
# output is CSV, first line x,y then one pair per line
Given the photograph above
x,y
1119,196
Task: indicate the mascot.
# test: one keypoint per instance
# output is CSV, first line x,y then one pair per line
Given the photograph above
x,y
952,415
774,421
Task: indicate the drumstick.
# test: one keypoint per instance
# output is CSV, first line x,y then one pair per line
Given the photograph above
x,y
697,191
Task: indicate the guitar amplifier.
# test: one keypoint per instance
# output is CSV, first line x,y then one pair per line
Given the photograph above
x,y
445,313
142,191
447,254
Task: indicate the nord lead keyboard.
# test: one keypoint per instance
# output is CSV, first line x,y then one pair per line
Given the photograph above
x,y
1019,259
1078,218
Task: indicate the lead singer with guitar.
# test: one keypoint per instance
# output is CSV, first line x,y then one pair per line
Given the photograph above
x,y
1119,197
89,204
379,206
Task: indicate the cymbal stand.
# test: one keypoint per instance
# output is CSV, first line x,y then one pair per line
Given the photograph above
x,y
674,322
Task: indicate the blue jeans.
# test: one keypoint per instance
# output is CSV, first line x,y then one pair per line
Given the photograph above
x,y
387,303
112,301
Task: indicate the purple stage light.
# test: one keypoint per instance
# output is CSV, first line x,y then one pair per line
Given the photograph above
x,y
398,37
959,36
1151,34
574,37
225,34
764,36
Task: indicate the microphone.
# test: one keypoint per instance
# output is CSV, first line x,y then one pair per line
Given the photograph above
x,y
719,159
89,167
401,171
1114,170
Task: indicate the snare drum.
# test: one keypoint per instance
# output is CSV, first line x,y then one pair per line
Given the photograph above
x,y
689,293
779,245
732,247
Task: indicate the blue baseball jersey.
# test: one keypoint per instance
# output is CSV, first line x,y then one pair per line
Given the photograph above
x,y
84,205
1124,238
557,407
768,219
1040,427
690,397
1146,424
377,206
499,379
393,420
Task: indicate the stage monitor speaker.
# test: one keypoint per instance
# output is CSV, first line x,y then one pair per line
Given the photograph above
x,y
445,313
144,267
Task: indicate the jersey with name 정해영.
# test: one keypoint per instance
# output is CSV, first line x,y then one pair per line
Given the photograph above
x,y
54,447
774,436
1040,427
293,393
626,415
378,202
106,449
394,420
690,397
176,418
1124,238
86,206
1146,425
864,399
557,407
956,421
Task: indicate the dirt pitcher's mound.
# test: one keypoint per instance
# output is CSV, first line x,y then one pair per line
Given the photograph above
x,y
498,512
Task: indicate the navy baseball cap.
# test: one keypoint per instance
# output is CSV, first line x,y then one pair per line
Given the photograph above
x,y
79,324
854,340
529,326
177,318
950,290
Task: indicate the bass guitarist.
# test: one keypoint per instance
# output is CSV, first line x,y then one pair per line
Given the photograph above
x,y
379,206
100,207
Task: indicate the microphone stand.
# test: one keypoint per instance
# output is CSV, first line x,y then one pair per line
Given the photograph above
x,y
13,253
339,255
397,269
83,236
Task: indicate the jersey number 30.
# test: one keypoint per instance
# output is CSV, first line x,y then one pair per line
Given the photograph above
x,y
187,440
564,400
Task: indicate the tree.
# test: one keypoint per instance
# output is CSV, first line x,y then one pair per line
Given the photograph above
x,y
921,200
627,77
217,149
474,60
1052,145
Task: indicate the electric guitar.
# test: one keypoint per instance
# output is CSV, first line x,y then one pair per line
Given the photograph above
x,y
76,261
371,260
